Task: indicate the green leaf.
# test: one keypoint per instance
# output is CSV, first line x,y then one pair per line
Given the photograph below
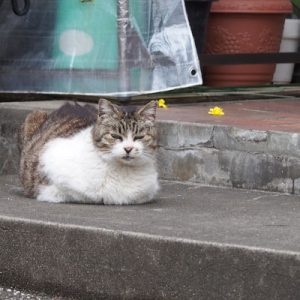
x,y
296,3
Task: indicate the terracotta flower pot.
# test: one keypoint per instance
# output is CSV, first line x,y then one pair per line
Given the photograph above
x,y
244,26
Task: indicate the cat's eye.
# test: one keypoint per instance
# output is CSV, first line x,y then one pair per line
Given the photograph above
x,y
138,137
116,137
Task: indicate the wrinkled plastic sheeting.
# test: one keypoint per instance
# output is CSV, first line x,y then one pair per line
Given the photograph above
x,y
115,47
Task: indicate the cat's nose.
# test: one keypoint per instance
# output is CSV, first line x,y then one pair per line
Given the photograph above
x,y
128,149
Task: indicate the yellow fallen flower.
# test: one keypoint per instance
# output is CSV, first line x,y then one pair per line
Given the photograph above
x,y
216,111
162,103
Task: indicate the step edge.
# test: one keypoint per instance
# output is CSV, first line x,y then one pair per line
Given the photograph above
x,y
148,236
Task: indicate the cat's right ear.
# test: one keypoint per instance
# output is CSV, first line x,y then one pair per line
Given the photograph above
x,y
105,107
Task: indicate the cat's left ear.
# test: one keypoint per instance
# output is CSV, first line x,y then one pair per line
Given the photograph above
x,y
148,111
105,107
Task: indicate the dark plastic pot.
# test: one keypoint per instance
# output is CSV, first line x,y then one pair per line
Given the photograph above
x,y
296,74
198,11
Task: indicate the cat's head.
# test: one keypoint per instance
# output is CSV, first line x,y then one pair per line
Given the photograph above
x,y
125,134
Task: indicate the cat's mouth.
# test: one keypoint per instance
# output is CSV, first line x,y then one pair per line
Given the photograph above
x,y
127,158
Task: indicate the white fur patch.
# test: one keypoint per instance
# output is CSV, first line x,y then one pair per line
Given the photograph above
x,y
79,172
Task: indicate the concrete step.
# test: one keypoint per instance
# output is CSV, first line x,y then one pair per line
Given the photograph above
x,y
193,242
16,294
214,154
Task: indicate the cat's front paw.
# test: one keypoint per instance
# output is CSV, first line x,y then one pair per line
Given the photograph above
x,y
50,193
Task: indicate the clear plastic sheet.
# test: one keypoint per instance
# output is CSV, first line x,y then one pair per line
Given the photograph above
x,y
97,47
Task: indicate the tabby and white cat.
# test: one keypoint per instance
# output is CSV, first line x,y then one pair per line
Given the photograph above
x,y
76,154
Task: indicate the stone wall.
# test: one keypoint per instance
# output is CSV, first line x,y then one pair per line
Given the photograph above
x,y
227,156
10,121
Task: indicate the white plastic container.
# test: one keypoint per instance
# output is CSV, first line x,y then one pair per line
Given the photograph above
x,y
290,41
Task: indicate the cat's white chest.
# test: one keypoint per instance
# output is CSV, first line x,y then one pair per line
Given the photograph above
x,y
73,165
77,172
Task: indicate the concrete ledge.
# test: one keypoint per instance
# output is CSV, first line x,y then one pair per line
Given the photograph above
x,y
182,135
231,169
194,242
229,156
89,263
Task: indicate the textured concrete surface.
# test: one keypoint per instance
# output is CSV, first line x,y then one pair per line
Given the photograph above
x,y
193,242
229,156
231,168
15,294
211,153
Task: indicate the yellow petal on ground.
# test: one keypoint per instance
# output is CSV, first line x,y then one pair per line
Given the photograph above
x,y
216,111
162,103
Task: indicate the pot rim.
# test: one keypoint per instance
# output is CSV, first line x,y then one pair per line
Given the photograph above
x,y
252,6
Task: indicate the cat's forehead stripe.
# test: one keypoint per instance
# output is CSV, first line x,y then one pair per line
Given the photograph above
x,y
122,126
126,125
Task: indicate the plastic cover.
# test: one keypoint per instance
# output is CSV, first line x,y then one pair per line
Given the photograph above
x,y
97,47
